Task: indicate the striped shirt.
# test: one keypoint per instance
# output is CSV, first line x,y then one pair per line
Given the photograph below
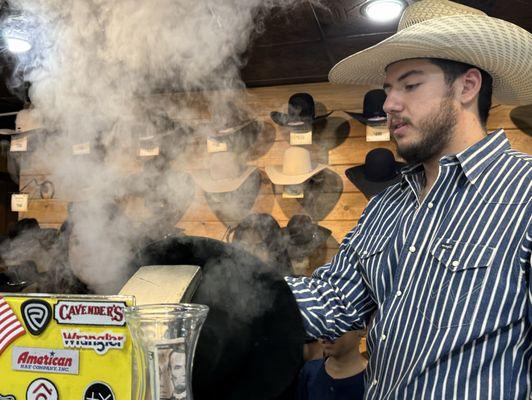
x,y
447,279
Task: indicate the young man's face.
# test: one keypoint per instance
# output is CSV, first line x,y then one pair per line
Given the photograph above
x,y
422,112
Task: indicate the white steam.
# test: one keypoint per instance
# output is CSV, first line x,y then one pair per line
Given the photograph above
x,y
95,71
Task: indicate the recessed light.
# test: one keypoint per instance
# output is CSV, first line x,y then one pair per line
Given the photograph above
x,y
17,45
383,10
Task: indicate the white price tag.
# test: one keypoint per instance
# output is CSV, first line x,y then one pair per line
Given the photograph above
x,y
293,192
377,133
149,152
81,148
215,146
19,143
300,138
19,202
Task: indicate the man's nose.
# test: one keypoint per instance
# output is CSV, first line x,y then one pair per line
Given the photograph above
x,y
393,103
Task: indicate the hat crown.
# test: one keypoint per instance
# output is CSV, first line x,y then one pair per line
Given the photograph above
x,y
224,165
374,103
296,161
380,165
428,9
301,106
301,229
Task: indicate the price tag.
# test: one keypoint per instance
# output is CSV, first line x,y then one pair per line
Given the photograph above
x,y
377,133
81,148
19,202
19,144
215,146
293,192
149,152
300,138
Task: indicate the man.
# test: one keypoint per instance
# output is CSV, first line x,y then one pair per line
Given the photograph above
x,y
339,374
442,258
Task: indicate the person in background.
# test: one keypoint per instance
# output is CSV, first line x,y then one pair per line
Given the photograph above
x,y
339,375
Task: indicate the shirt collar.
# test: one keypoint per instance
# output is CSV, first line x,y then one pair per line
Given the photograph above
x,y
475,159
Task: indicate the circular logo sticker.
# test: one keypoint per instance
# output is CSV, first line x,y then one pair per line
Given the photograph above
x,y
41,389
98,391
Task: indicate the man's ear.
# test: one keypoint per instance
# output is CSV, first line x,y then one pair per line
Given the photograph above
x,y
470,82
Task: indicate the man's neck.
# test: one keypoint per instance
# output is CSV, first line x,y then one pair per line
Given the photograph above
x,y
465,136
346,365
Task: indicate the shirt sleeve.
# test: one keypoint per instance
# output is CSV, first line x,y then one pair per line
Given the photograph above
x,y
527,270
335,299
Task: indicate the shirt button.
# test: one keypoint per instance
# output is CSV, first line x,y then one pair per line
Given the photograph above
x,y
430,205
399,293
383,338
374,383
412,249
455,263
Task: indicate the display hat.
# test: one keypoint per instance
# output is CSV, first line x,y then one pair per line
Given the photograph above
x,y
304,236
297,167
379,171
301,110
373,113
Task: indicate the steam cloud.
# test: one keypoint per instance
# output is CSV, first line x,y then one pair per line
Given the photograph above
x,y
99,71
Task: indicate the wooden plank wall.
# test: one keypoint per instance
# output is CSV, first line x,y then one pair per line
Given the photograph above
x,y
345,205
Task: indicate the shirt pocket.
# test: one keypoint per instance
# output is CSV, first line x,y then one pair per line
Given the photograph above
x,y
459,272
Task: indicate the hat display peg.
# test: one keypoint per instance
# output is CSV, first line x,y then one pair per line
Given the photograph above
x,y
379,171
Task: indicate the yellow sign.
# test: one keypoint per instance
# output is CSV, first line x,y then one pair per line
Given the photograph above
x,y
64,346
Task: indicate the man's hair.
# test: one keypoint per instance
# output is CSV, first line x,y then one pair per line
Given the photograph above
x,y
453,69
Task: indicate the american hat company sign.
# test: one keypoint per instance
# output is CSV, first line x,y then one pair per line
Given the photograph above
x,y
58,346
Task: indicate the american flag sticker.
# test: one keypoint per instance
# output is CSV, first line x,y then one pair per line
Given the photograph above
x,y
10,327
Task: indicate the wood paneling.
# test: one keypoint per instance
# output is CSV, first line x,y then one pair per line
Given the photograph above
x,y
340,143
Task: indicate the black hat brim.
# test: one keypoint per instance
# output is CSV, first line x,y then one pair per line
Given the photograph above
x,y
283,119
363,120
371,188
248,348
297,251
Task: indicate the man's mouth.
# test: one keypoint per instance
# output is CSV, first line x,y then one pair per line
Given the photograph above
x,y
398,127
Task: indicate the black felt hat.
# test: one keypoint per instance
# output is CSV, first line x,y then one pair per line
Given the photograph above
x,y
380,171
304,236
301,111
251,344
372,113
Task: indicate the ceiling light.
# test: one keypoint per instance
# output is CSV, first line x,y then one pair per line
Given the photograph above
x,y
17,45
383,10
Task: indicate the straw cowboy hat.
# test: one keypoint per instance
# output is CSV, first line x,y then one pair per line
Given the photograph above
x,y
296,168
225,173
447,30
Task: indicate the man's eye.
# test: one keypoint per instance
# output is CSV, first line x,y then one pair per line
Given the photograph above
x,y
412,87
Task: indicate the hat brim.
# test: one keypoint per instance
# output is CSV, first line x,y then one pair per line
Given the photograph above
x,y
8,132
297,251
366,121
522,118
276,175
499,47
204,180
251,344
284,119
370,188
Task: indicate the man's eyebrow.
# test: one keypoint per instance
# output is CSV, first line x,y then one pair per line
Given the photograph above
x,y
404,76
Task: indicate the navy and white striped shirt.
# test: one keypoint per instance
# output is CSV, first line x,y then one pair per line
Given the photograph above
x,y
447,278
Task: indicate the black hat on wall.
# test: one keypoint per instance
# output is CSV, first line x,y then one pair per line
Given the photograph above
x,y
301,110
379,171
304,236
372,113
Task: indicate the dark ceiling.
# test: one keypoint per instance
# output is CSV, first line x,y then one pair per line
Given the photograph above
x,y
301,45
